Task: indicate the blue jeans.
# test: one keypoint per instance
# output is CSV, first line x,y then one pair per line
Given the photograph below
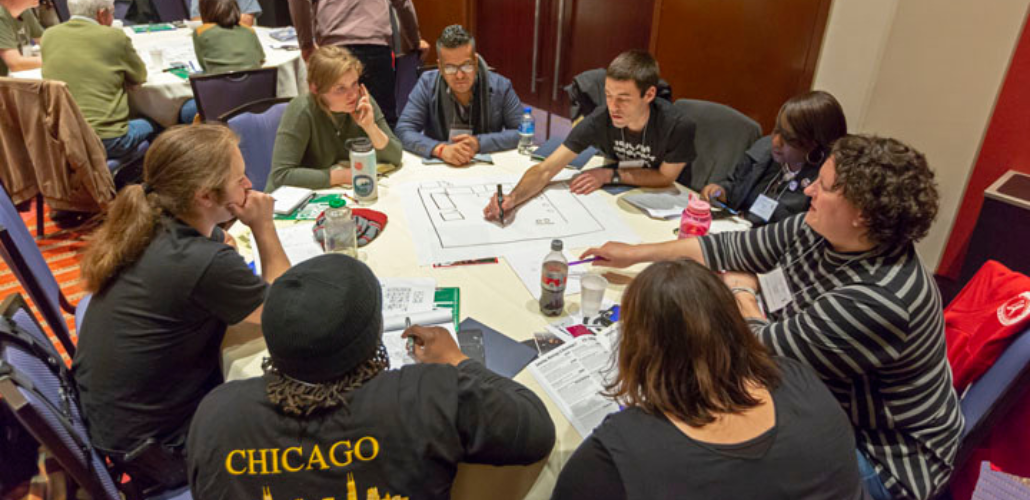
x,y
140,129
870,480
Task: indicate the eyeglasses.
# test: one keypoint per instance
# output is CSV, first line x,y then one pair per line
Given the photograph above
x,y
450,69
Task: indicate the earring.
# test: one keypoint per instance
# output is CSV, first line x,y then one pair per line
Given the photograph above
x,y
818,160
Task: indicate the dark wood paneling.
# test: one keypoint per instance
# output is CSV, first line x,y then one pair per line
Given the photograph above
x,y
504,34
435,15
750,54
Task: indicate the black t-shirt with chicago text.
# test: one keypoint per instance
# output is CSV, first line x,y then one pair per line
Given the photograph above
x,y
401,434
150,341
808,454
668,136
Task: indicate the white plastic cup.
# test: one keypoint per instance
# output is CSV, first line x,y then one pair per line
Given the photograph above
x,y
592,293
157,57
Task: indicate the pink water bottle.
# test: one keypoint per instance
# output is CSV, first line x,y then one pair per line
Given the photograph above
x,y
696,218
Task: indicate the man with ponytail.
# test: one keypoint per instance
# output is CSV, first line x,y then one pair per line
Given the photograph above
x,y
165,287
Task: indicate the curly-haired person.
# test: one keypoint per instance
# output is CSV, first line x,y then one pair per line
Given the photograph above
x,y
329,419
846,293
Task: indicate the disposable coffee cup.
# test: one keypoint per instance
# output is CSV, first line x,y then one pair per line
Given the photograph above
x,y
592,288
157,57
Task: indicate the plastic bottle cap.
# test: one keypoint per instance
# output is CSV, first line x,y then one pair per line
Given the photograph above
x,y
556,245
359,145
527,110
336,203
699,206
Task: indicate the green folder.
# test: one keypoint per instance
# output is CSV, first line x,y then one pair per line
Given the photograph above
x,y
450,298
311,209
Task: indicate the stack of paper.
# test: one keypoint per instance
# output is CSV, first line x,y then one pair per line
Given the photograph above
x,y
665,204
289,198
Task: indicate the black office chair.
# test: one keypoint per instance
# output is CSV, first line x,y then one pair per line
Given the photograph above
x,y
722,135
220,93
586,92
171,10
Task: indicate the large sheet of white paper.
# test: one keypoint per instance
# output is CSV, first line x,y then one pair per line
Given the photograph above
x,y
528,261
446,219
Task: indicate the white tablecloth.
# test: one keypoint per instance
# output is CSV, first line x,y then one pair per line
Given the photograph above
x,y
491,293
163,93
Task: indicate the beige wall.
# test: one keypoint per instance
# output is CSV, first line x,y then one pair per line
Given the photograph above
x,y
926,72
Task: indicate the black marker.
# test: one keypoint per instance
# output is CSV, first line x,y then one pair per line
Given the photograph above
x,y
500,202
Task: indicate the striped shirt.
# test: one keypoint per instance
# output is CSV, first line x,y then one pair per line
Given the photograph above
x,y
872,327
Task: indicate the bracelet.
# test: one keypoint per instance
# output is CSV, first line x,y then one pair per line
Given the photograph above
x,y
752,291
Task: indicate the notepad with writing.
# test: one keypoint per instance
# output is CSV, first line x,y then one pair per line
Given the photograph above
x,y
290,198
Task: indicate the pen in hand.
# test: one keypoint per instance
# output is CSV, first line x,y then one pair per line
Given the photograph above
x,y
500,202
411,340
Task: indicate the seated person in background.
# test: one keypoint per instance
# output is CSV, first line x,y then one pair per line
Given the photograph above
x,y
847,295
462,108
223,43
315,127
249,11
165,286
707,405
98,63
651,140
329,419
768,183
18,28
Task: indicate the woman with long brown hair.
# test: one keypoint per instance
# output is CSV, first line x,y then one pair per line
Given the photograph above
x,y
709,412
165,286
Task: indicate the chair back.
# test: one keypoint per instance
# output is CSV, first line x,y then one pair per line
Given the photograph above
x,y
171,10
256,124
46,405
220,93
19,251
722,135
586,92
61,6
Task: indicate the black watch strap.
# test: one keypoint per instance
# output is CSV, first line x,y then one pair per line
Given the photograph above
x,y
615,175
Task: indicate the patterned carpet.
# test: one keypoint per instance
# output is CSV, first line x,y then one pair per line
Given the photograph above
x,y
63,250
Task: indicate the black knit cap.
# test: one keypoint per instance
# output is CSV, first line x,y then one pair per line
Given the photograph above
x,y
322,318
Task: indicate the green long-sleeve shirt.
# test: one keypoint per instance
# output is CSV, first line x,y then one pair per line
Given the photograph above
x,y
220,49
308,144
96,62
14,31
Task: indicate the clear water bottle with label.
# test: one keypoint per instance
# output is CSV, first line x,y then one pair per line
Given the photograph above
x,y
340,230
696,219
527,127
363,169
553,275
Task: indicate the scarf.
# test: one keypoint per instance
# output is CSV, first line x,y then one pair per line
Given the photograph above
x,y
480,103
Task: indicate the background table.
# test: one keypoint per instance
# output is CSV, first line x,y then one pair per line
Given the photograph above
x,y
163,93
490,293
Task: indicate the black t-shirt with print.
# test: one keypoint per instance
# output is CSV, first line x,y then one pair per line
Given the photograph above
x,y
668,136
150,342
808,454
402,433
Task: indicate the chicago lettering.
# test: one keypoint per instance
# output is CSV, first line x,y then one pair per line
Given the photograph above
x,y
266,461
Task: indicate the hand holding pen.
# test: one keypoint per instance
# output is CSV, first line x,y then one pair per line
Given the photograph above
x,y
432,344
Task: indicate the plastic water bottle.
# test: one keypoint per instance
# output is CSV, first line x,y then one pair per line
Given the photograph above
x,y
553,276
527,127
340,230
696,219
363,169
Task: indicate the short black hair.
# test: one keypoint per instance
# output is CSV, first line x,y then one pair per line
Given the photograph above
x,y
225,13
637,65
454,36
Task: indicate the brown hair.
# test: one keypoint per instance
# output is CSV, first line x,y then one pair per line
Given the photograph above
x,y
225,13
816,121
637,65
685,349
181,162
891,185
326,66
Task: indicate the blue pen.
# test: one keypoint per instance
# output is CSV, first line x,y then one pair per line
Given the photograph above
x,y
724,207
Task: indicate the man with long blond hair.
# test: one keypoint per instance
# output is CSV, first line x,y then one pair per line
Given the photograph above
x,y
165,286
310,146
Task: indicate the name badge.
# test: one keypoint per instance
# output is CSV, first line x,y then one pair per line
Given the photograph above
x,y
763,207
458,131
775,290
632,164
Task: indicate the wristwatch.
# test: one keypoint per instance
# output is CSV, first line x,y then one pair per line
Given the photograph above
x,y
615,175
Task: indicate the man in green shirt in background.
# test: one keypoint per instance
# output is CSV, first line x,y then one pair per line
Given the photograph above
x,y
18,27
98,63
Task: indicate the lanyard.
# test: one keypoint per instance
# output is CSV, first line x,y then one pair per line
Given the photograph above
x,y
781,181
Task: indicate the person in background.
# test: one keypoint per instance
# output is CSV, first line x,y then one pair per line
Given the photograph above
x,y
702,394
165,286
846,293
19,28
249,11
462,108
223,43
331,420
649,138
99,63
312,135
768,183
362,27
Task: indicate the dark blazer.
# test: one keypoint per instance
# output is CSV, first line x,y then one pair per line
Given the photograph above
x,y
755,170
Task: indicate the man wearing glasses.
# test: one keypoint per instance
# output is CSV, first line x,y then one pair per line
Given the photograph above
x,y
462,109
